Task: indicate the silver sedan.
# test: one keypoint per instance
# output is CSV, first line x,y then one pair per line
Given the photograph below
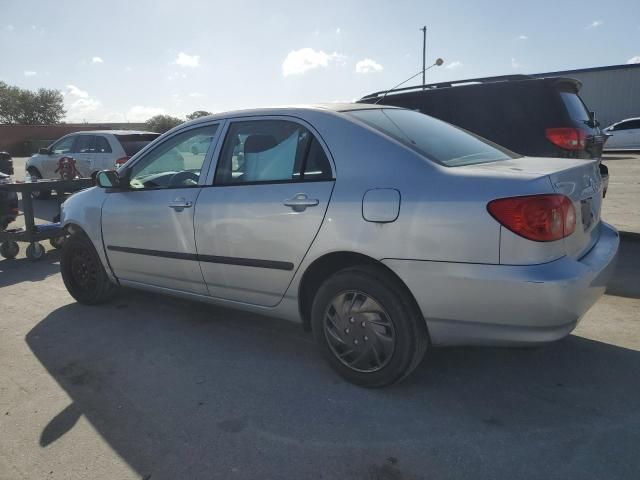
x,y
383,230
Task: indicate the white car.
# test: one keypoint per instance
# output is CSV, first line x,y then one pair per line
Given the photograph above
x,y
624,135
92,151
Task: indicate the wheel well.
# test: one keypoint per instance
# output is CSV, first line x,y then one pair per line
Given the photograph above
x,y
33,169
74,229
323,268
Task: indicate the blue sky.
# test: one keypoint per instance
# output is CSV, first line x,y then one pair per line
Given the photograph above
x,y
127,60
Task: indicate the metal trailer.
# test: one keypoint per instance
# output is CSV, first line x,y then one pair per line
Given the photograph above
x,y
32,233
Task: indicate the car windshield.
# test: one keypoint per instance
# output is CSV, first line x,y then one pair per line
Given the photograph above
x,y
433,138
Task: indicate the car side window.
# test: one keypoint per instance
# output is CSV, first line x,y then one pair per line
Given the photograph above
x,y
102,145
84,144
267,151
64,146
174,163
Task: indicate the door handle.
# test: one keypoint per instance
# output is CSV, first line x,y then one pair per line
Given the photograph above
x,y
300,202
180,203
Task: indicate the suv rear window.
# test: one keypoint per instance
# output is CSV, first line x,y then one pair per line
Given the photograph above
x,y
433,138
577,111
133,143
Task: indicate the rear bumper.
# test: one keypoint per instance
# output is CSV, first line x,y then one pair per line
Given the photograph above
x,y
478,304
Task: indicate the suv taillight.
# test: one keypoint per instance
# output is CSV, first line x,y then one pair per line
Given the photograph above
x,y
542,218
121,161
567,138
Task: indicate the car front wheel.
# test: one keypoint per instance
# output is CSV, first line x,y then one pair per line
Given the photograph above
x,y
83,273
368,326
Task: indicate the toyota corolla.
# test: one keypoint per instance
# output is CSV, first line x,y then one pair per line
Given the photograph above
x,y
383,230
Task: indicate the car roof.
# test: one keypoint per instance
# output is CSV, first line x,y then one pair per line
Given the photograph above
x,y
626,120
118,132
291,110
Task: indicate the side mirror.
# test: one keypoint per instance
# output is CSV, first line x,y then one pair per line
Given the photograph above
x,y
44,151
109,179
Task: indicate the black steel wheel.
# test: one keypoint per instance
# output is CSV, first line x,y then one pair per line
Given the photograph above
x,y
83,273
368,326
9,249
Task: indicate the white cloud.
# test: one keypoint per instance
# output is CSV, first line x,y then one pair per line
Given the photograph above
x,y
515,64
30,73
454,64
338,31
33,27
11,28
522,37
185,60
80,105
368,66
128,69
97,60
139,113
300,61
635,59
76,92
196,95
596,24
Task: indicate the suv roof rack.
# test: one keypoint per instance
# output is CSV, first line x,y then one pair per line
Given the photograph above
x,y
500,78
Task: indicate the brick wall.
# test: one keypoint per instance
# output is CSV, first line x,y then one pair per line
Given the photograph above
x,y
25,140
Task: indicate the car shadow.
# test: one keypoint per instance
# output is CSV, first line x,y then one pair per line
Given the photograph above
x,y
186,390
626,279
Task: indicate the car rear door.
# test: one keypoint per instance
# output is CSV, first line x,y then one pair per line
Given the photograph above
x,y
270,192
148,229
103,158
83,153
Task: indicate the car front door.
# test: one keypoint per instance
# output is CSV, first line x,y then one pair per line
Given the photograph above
x,y
254,225
148,228
62,148
83,154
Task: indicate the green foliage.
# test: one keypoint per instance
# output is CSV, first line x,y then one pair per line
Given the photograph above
x,y
162,123
198,114
27,107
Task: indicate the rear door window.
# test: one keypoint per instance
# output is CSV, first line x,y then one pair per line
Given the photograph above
x,y
84,144
628,125
133,143
102,145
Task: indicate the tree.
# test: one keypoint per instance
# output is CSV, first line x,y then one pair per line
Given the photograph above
x,y
28,107
198,114
162,123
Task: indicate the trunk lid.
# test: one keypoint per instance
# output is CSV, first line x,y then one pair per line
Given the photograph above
x,y
578,179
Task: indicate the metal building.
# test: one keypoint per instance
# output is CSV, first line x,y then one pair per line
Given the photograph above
x,y
612,92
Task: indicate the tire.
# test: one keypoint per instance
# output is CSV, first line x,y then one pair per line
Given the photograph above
x,y
57,242
38,194
83,273
35,251
372,349
9,249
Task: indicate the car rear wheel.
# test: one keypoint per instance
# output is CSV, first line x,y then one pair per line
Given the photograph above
x,y
368,326
38,194
83,273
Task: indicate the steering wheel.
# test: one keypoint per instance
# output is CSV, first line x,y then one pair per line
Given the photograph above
x,y
179,178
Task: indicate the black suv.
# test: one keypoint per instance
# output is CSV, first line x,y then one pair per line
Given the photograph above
x,y
538,117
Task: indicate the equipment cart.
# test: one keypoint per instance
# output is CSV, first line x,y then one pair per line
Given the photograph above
x,y
32,233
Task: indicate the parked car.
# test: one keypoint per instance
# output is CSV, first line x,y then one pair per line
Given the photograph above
x,y
8,205
624,135
92,151
385,230
538,117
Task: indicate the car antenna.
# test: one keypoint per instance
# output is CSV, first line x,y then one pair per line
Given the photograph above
x,y
437,63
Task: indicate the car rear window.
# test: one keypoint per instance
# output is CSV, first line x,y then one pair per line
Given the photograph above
x,y
133,143
437,140
577,111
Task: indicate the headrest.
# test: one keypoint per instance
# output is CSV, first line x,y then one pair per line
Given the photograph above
x,y
259,143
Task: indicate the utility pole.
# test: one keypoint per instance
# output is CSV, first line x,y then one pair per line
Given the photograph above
x,y
424,53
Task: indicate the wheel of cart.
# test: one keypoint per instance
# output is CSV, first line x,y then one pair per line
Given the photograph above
x,y
35,251
9,249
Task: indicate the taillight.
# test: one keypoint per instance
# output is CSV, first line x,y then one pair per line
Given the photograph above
x,y
542,218
121,161
567,138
